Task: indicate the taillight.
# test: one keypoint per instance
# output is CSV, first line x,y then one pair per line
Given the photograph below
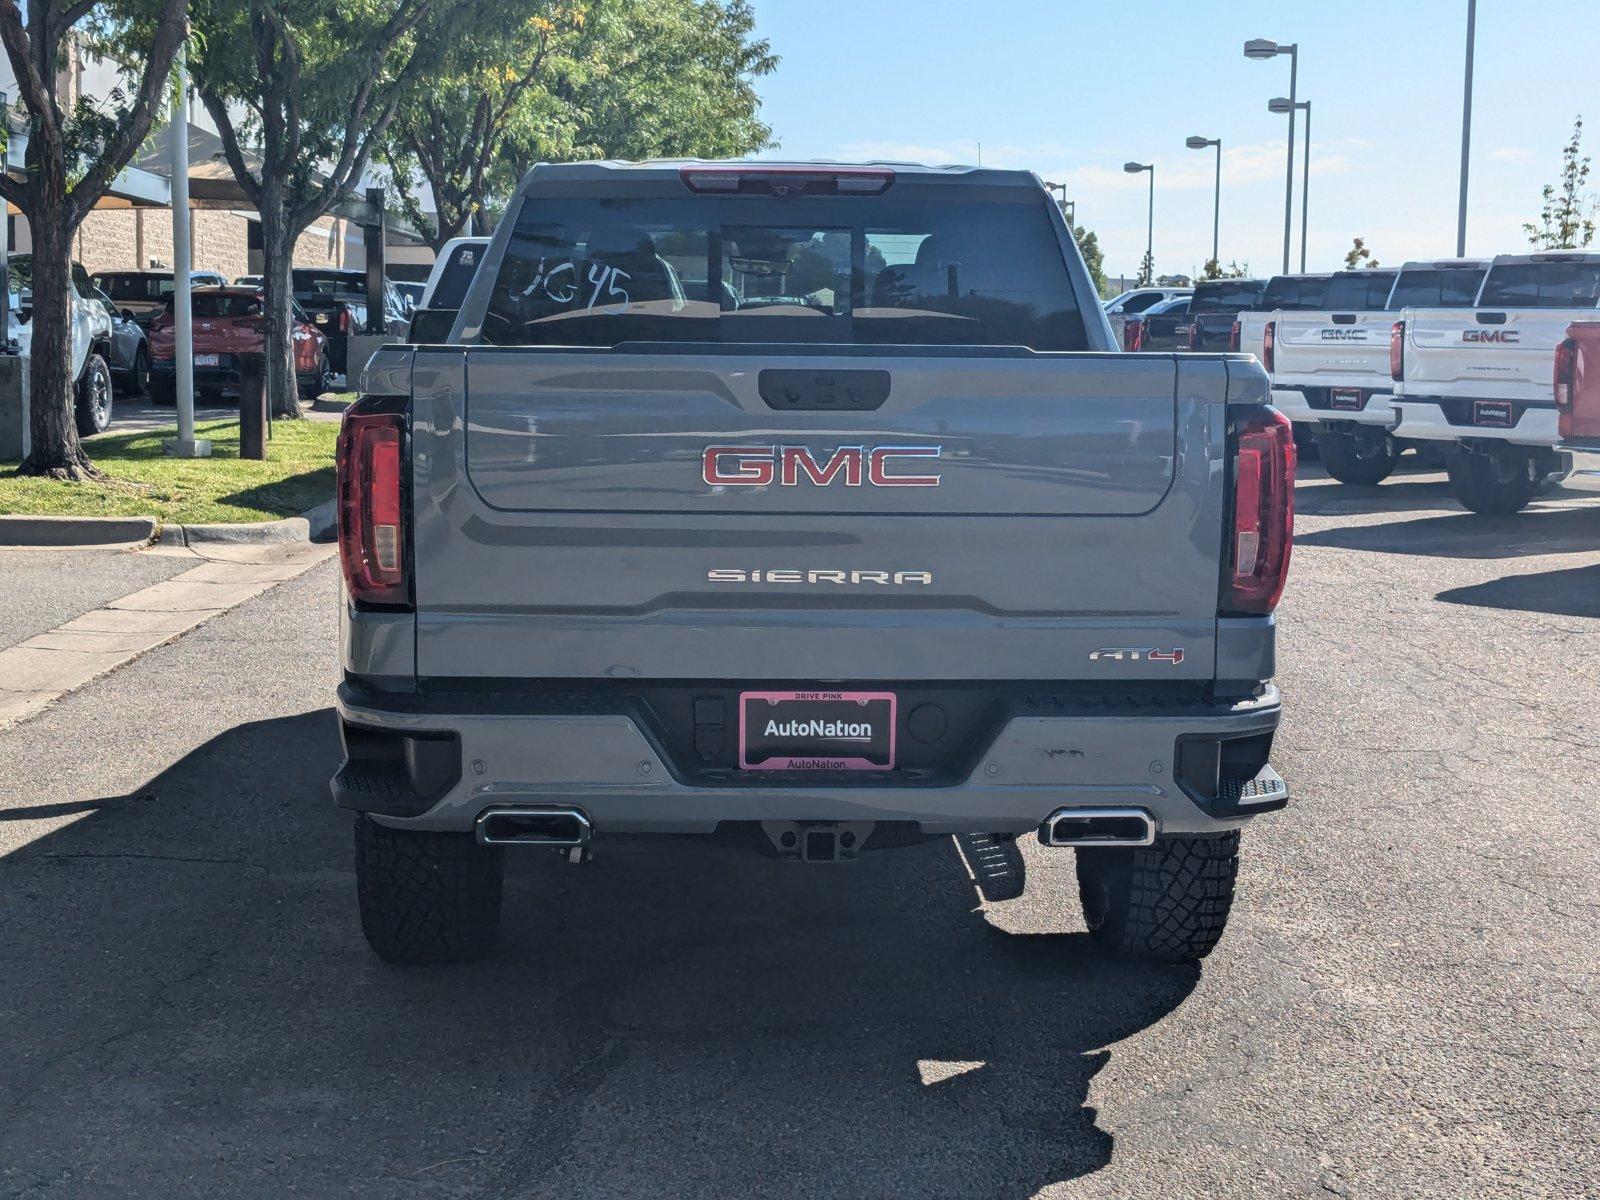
x,y
1397,351
344,320
1566,368
1133,336
1194,336
1269,338
1262,525
1235,333
372,509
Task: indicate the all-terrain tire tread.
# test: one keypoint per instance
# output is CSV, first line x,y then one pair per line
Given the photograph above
x,y
426,897
1163,903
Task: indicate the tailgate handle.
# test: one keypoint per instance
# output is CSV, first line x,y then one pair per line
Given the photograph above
x,y
1344,318
1491,318
829,391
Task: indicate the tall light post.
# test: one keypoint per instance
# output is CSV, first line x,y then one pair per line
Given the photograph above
x,y
1466,129
1280,105
1200,143
1262,49
1133,168
1069,207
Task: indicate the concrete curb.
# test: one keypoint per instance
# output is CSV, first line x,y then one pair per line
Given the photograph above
x,y
59,532
314,525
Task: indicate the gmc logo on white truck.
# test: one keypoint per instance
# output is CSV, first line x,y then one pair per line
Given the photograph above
x,y
851,466
1507,337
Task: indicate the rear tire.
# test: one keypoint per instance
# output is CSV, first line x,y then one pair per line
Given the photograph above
x,y
1497,483
139,377
93,408
1360,458
163,390
1166,903
426,898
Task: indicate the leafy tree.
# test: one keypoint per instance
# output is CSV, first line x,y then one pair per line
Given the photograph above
x,y
1093,258
71,159
563,79
1147,271
1566,222
1215,270
1359,255
301,91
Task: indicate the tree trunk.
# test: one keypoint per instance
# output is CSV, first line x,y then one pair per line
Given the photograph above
x,y
277,250
52,400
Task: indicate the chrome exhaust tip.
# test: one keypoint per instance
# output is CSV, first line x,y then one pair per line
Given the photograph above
x,y
1098,827
557,827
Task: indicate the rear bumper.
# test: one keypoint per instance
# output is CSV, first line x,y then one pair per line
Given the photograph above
x,y
224,377
444,768
1292,403
1425,421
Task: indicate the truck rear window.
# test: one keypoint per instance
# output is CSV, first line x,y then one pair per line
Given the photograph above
x,y
135,287
1450,287
1363,291
1227,296
1542,285
1287,293
310,283
846,270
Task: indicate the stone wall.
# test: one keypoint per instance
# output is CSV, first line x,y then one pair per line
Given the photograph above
x,y
112,239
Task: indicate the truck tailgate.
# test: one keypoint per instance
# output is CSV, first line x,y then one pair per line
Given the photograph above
x,y
1483,354
615,515
1328,350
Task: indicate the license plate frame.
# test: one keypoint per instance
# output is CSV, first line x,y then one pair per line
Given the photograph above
x,y
1347,399
1492,414
208,360
788,750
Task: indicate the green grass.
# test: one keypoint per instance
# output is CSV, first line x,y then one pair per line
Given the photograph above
x,y
144,481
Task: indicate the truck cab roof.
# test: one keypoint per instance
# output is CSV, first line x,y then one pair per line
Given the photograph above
x,y
720,175
1545,256
1446,264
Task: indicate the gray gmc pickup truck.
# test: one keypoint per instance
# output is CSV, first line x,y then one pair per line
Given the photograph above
x,y
812,508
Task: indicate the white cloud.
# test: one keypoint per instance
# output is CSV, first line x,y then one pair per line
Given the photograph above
x,y
1511,154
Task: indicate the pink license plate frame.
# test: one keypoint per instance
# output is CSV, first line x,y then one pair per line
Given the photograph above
x,y
815,762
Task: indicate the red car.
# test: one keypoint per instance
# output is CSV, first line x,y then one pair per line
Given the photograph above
x,y
228,323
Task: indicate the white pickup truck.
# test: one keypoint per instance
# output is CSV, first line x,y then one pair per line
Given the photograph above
x,y
92,338
1479,380
1284,293
1331,368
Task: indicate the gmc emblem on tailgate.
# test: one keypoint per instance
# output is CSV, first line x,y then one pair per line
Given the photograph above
x,y
850,466
1506,337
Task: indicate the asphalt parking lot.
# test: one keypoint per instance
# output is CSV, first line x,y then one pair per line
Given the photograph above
x,y
1405,1004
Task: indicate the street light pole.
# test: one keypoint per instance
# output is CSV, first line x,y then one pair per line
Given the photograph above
x,y
1264,48
1068,207
1133,168
185,445
1305,189
1200,143
1466,129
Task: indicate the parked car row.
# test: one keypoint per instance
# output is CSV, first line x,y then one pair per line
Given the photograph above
x,y
1450,357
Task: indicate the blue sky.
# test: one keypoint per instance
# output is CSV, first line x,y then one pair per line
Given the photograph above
x,y
1073,90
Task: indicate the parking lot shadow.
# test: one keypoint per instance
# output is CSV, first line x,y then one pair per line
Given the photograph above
x,y
188,1007
1468,535
1570,593
1329,499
